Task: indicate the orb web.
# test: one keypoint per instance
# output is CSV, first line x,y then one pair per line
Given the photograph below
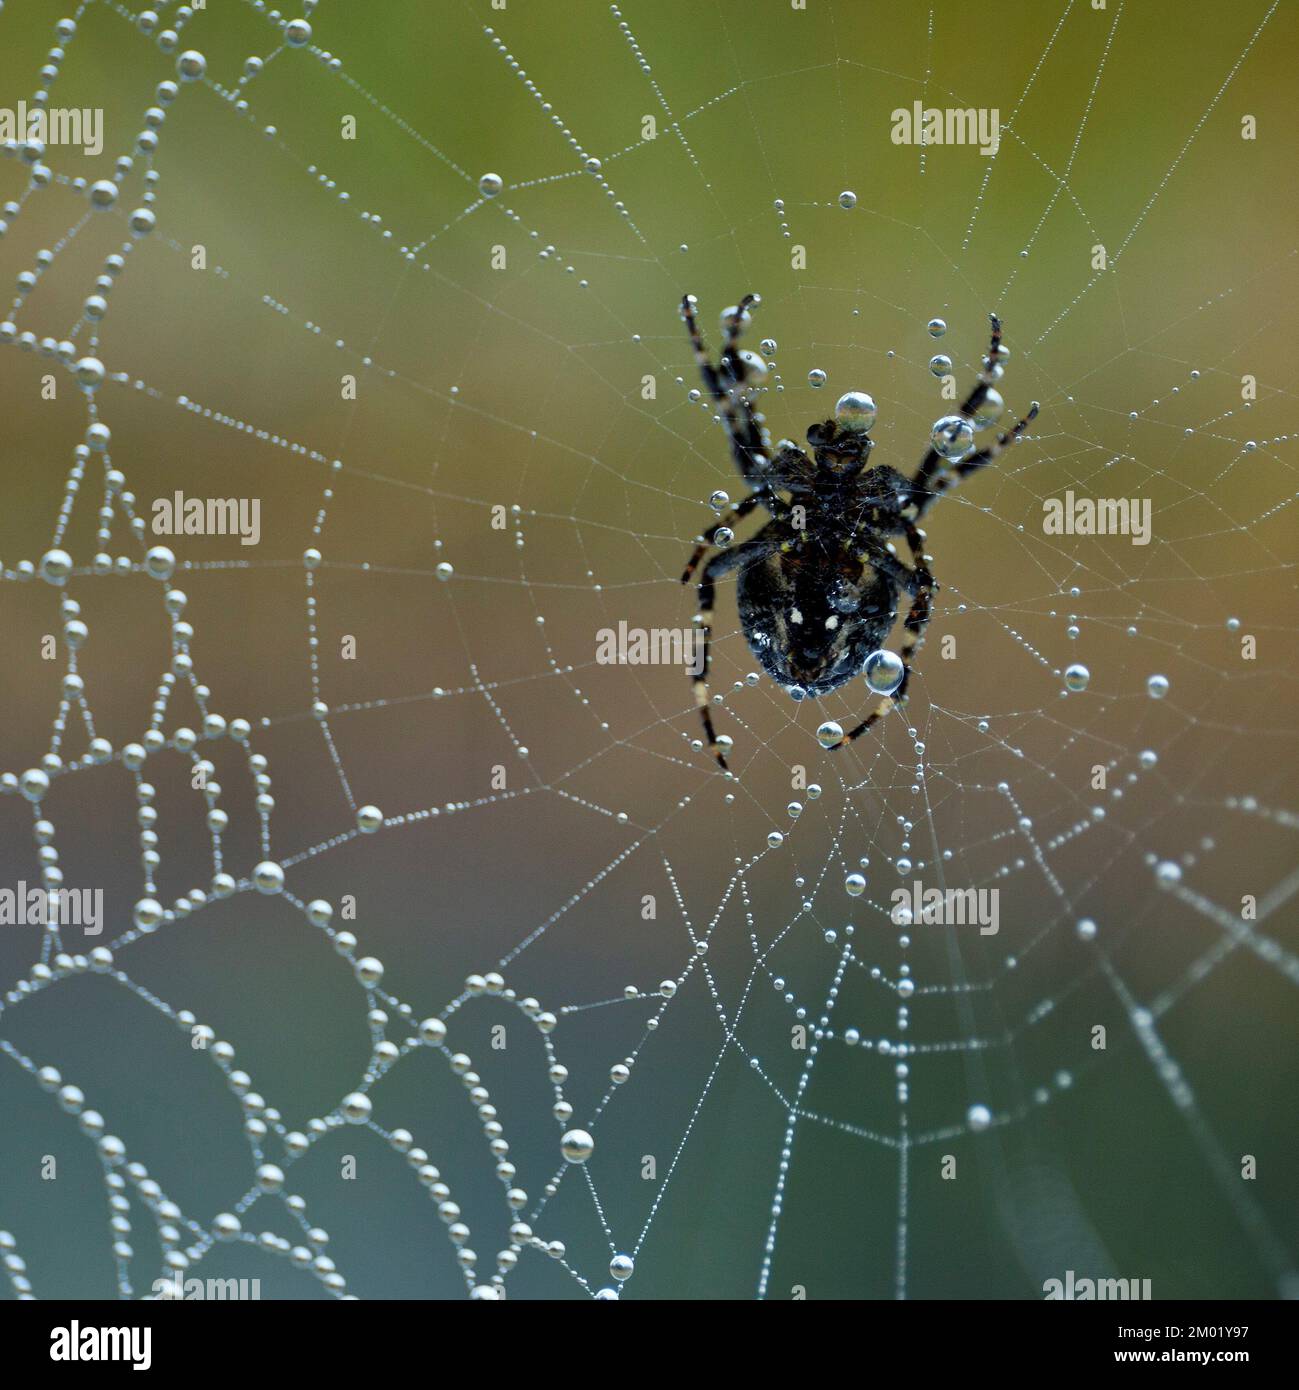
x,y
437,956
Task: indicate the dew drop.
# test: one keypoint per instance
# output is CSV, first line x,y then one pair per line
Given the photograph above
x,y
978,1117
855,412
1076,677
883,672
952,438
829,734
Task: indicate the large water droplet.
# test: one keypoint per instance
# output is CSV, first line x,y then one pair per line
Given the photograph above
x,y
1076,677
829,734
855,411
952,438
883,672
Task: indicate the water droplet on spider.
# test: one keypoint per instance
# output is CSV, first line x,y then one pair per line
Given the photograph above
x,y
719,501
723,536
795,692
1076,677
816,378
940,364
952,438
936,328
990,410
847,199
855,411
883,671
855,885
490,185
1157,686
775,839
829,734
844,596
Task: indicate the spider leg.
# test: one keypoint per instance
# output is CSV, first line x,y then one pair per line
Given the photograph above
x,y
921,492
719,565
736,513
724,383
972,464
917,620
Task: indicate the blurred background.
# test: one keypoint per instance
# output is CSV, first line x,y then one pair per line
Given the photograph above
x,y
520,412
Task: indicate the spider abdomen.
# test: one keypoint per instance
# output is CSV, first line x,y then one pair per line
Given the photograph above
x,y
812,618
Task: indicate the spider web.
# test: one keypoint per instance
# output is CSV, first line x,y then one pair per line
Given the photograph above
x,y
473,427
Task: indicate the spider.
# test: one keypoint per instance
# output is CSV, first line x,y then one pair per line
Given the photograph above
x,y
819,585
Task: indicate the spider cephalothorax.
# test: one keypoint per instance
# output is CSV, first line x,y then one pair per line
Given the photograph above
x,y
818,587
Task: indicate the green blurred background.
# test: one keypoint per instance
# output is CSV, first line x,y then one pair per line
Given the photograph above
x,y
522,386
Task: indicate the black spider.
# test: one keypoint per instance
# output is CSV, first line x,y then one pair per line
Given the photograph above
x,y
818,586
